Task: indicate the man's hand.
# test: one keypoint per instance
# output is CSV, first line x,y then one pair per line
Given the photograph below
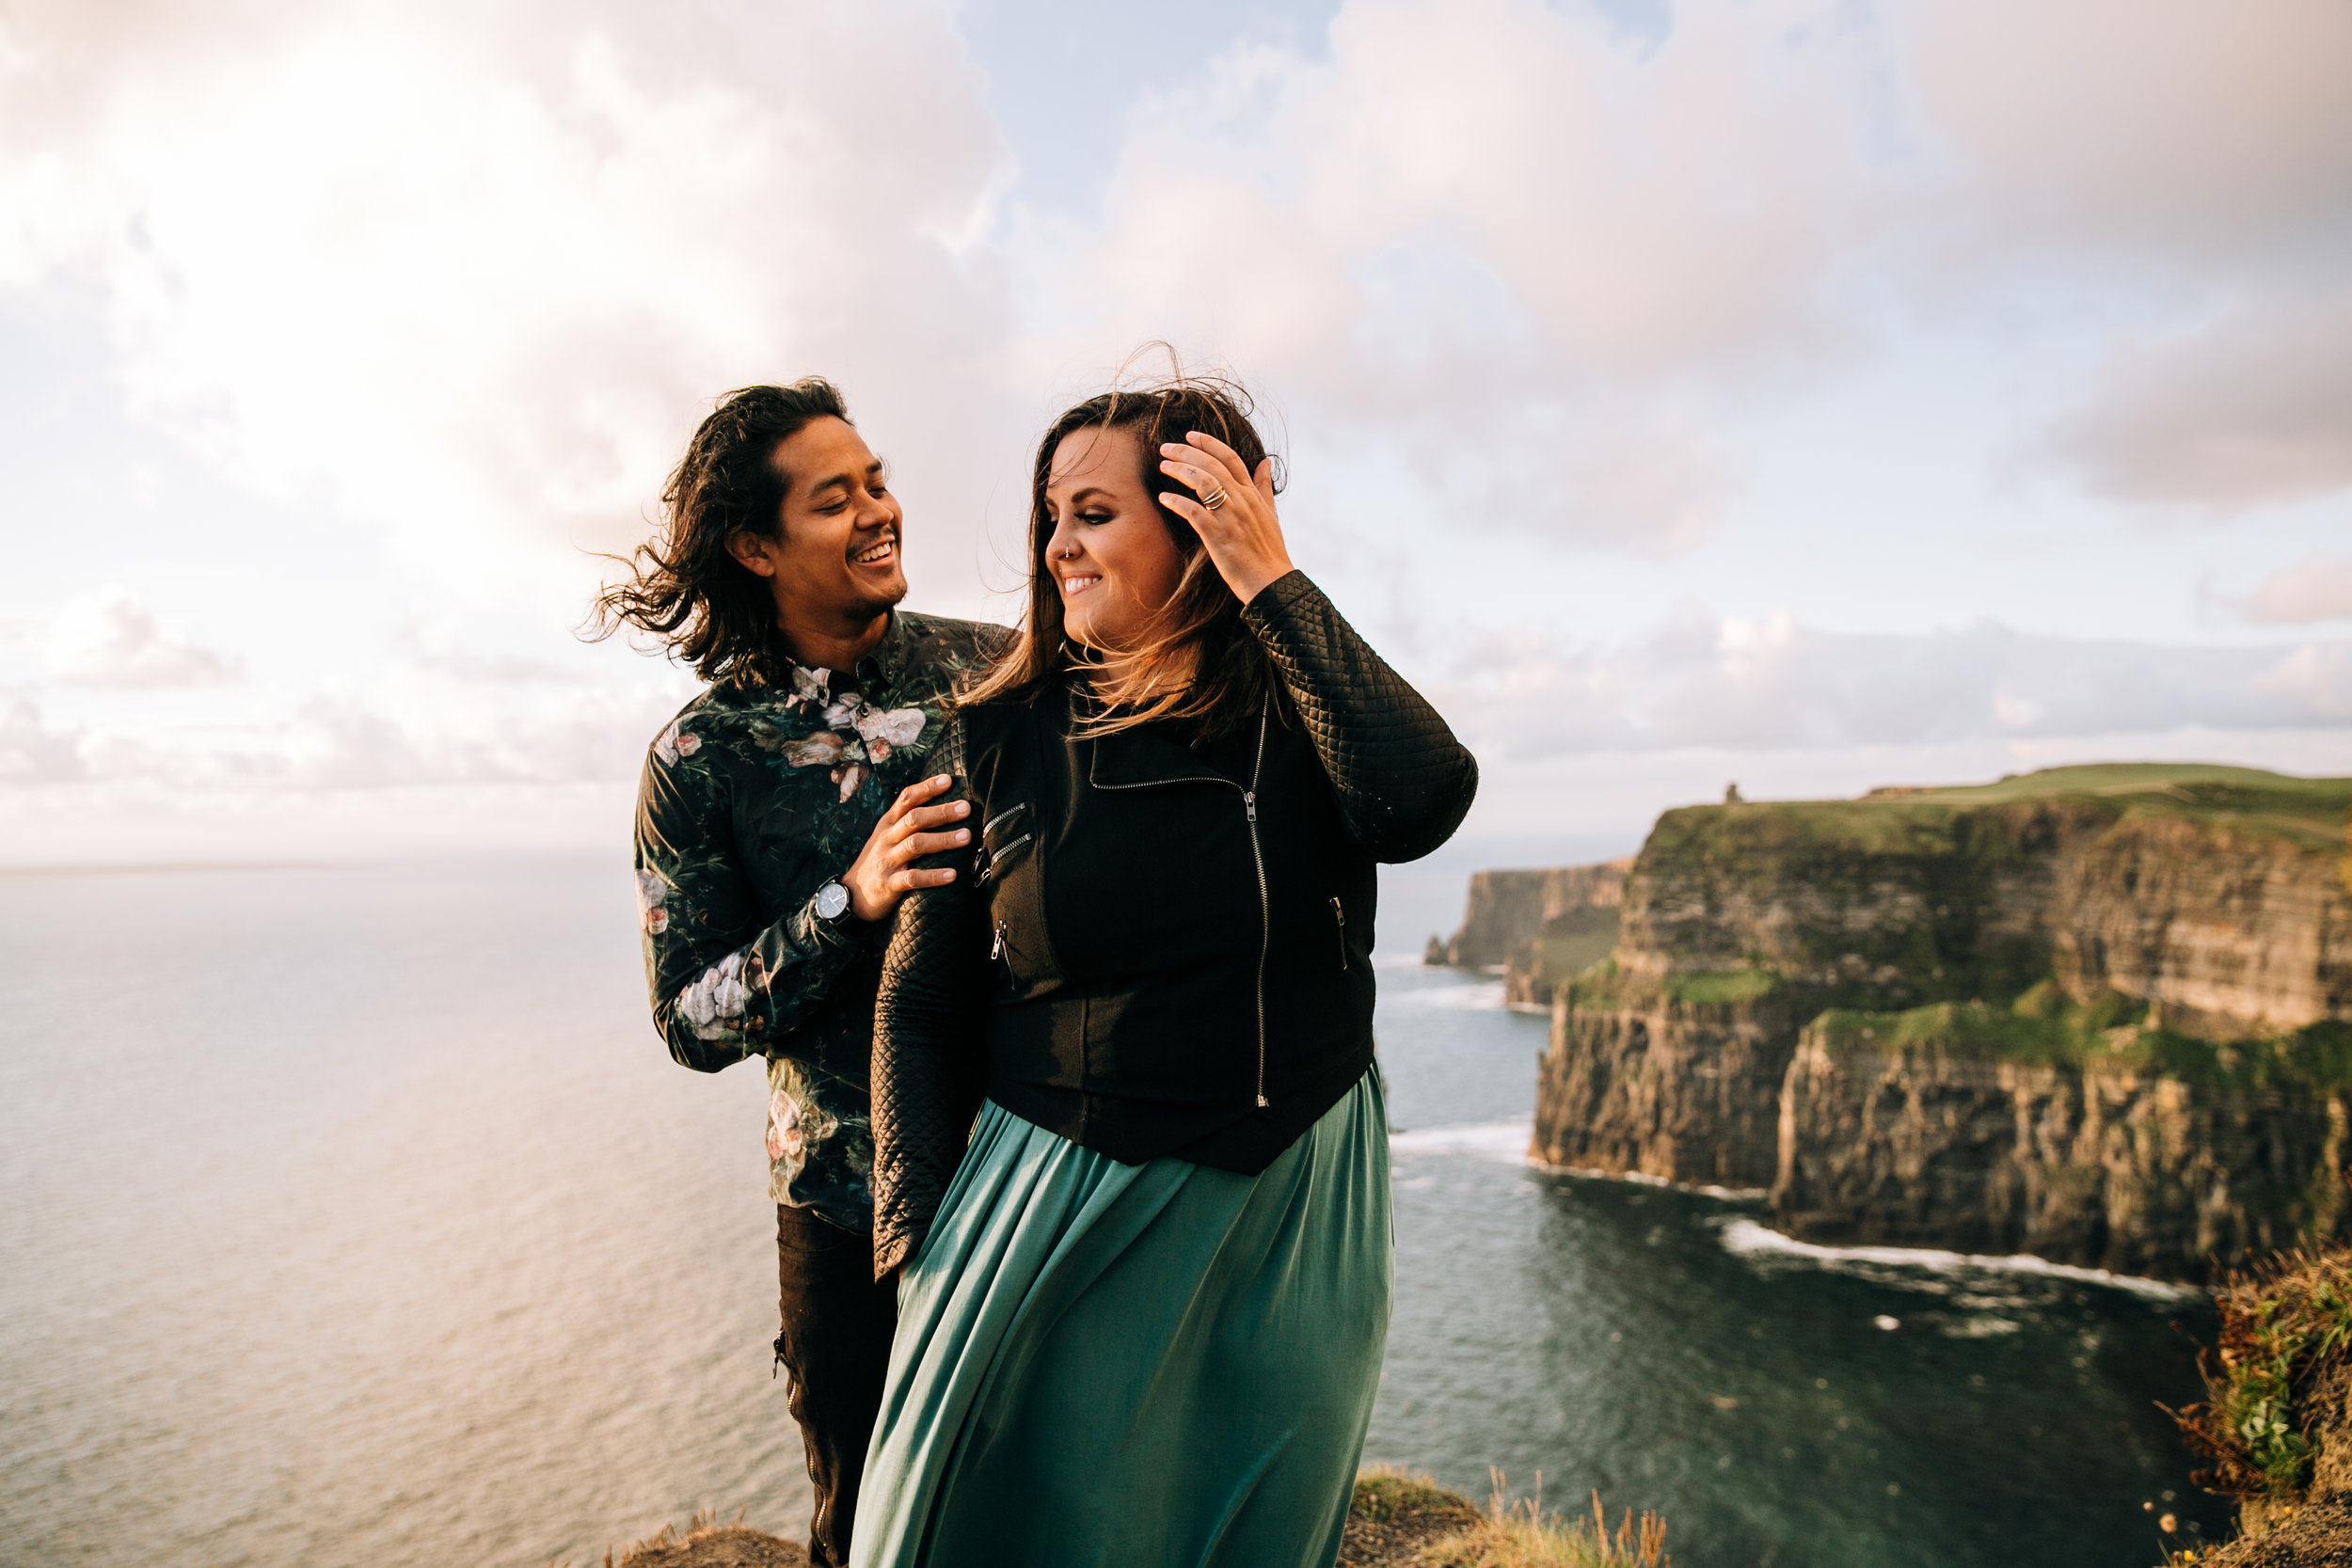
x,y
883,872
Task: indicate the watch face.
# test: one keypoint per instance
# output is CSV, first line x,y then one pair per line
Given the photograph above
x,y
831,899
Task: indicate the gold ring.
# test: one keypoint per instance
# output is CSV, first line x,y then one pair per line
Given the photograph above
x,y
1215,498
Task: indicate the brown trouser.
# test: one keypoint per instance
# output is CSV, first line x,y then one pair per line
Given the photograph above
x,y
836,1345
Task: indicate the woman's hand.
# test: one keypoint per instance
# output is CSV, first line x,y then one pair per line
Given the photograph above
x,y
1242,536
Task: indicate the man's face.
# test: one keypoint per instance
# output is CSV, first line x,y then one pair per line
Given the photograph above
x,y
837,564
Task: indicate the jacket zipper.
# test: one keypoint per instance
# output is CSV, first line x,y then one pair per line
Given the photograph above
x,y
1339,912
1266,901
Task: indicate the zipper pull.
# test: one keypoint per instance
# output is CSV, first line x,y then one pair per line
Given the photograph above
x,y
1249,804
1339,911
996,948
1264,1103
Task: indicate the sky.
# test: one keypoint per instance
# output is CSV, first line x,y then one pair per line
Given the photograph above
x,y
1815,395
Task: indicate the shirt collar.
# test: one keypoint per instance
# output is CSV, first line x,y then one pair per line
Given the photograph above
x,y
878,670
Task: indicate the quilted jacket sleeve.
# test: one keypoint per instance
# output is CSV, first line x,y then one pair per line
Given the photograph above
x,y
931,1062
1404,783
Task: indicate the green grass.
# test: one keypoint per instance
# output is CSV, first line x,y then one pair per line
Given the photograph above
x,y
2109,1033
1606,985
1569,945
1721,987
1386,1495
2309,813
2285,1328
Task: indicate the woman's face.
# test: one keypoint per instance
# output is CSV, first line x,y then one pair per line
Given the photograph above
x,y
1110,553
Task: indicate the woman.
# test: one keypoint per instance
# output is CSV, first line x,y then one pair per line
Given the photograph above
x,y
1143,1308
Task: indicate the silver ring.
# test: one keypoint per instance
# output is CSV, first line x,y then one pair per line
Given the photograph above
x,y
1215,498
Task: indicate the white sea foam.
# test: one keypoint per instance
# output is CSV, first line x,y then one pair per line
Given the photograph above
x,y
1642,1178
1751,1240
1483,997
1505,1141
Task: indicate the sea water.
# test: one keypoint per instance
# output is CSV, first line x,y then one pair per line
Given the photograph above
x,y
357,1216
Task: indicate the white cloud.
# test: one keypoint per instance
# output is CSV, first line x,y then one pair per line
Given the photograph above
x,y
1498,244
1732,682
109,637
2166,128
33,753
474,279
2251,409
407,728
2316,589
1542,267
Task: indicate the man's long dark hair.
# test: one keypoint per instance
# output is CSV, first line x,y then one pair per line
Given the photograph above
x,y
683,586
1231,677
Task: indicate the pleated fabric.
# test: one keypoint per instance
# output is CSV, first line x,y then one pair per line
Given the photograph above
x,y
1135,1366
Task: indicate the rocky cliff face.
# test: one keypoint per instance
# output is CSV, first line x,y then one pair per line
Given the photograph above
x,y
1928,1143
1654,1086
1510,910
2149,1064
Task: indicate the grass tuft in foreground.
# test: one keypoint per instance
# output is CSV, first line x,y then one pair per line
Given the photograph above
x,y
1508,1535
2276,1373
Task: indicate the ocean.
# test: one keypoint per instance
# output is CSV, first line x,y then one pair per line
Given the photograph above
x,y
356,1216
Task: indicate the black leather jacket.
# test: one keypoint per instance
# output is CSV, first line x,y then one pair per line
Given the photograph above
x,y
1153,950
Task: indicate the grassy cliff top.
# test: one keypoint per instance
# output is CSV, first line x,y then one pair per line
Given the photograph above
x,y
2309,812
2110,1034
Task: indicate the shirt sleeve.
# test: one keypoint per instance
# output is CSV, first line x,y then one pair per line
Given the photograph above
x,y
725,983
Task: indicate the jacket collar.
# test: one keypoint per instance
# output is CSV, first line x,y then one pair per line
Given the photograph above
x,y
1130,759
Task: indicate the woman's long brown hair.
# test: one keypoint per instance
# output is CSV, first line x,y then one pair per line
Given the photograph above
x,y
1197,662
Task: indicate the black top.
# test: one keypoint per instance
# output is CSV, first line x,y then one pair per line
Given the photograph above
x,y
1154,950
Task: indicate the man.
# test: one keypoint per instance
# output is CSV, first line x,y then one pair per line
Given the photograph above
x,y
777,825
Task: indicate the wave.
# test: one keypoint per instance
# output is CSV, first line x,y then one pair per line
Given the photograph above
x,y
1748,1239
1481,997
1503,1141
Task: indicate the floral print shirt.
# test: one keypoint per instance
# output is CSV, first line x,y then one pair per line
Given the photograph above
x,y
754,798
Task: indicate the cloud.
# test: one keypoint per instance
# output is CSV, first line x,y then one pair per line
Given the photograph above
x,y
409,729
2251,409
1541,267
471,276
1738,683
32,753
109,637
2318,588
2162,129
1498,243
472,279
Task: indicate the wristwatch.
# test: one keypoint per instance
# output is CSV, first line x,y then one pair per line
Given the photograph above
x,y
833,901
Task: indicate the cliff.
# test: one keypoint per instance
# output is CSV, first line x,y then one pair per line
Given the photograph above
x,y
2102,1014
1538,928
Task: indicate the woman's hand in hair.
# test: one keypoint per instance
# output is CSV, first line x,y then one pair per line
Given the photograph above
x,y
1243,535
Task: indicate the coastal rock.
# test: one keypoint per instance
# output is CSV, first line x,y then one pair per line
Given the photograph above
x,y
1537,926
1639,1082
1928,1143
2100,1014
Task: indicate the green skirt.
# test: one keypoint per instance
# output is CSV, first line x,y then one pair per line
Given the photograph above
x,y
1131,1365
